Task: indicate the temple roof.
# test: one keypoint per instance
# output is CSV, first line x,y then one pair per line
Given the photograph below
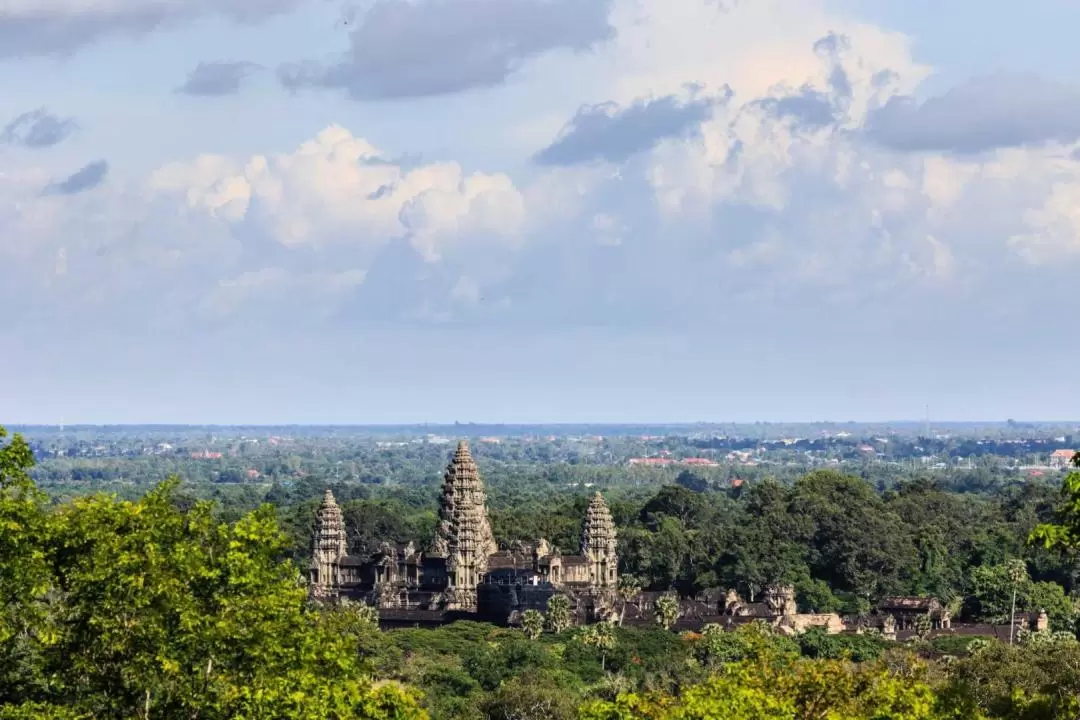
x,y
923,604
504,560
599,529
329,539
350,561
463,534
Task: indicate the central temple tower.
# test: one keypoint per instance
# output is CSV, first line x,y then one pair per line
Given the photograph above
x,y
463,535
599,545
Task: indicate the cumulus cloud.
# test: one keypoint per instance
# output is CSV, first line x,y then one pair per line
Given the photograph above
x,y
764,200
608,132
37,129
415,48
86,178
217,78
777,204
338,191
984,113
42,27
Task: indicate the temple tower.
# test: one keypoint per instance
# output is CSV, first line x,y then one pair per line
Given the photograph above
x,y
328,546
598,544
464,535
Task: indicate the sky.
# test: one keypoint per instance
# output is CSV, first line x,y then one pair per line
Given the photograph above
x,y
401,211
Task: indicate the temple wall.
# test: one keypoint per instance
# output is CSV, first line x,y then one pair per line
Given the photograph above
x,y
802,622
575,573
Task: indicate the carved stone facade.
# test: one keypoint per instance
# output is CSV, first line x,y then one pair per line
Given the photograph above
x,y
464,575
463,536
914,613
463,570
779,609
598,544
328,547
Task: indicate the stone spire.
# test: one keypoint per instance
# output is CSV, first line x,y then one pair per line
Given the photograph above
x,y
328,546
598,543
463,535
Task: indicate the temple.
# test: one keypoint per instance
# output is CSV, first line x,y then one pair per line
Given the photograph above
x,y
465,575
464,571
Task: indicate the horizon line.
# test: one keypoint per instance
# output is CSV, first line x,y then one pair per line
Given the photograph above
x,y
558,423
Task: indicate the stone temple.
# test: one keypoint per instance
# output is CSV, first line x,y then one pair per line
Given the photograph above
x,y
463,571
464,575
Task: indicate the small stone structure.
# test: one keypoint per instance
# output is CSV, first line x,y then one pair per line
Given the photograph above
x,y
913,613
778,607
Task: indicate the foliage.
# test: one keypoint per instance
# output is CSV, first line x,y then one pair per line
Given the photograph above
x,y
1064,535
185,596
600,636
628,589
494,662
121,609
558,613
778,689
532,624
535,697
667,610
1019,682
27,617
816,643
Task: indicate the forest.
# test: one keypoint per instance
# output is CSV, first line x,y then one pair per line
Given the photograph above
x,y
186,601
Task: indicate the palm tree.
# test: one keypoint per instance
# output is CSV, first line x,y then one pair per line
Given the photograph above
x,y
532,624
558,615
667,610
629,588
600,636
1018,574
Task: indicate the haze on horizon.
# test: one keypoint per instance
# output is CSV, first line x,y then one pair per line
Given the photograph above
x,y
311,211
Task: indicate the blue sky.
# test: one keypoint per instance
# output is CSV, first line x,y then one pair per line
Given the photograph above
x,y
537,210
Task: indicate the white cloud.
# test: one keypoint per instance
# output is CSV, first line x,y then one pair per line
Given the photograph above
x,y
1054,227
775,201
336,190
753,47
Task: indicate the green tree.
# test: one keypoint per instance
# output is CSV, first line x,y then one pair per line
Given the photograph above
x,y
600,636
1028,681
786,689
628,589
752,641
172,614
856,542
534,697
1017,573
27,617
767,542
532,624
1064,535
667,610
558,613
993,587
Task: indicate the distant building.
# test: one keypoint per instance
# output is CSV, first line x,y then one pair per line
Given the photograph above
x,y
652,461
1062,458
663,461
